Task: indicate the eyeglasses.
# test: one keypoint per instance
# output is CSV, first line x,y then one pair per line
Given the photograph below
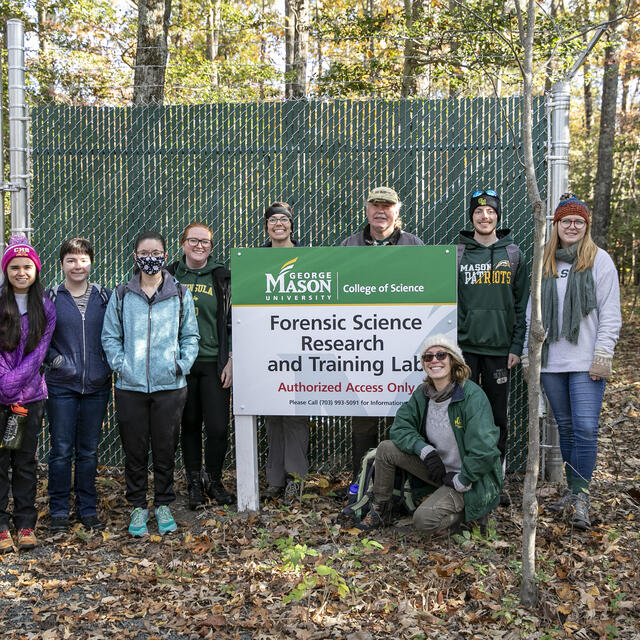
x,y
439,355
149,254
578,224
273,220
487,192
194,242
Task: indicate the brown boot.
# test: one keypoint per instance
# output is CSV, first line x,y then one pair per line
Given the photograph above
x,y
6,543
379,515
26,539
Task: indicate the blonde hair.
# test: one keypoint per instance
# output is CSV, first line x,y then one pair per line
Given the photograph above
x,y
587,250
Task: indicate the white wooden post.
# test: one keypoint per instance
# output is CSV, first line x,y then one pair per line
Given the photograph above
x,y
247,463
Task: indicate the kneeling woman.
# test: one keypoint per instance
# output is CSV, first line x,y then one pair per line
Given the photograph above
x,y
150,337
444,435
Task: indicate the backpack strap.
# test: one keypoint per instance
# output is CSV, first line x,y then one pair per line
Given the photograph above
x,y
513,252
52,293
459,252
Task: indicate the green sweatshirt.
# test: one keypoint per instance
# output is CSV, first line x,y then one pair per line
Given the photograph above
x,y
491,308
200,282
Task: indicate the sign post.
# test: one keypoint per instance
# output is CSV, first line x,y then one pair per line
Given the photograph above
x,y
332,331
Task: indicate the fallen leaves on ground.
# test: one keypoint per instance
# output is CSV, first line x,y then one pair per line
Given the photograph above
x,y
292,572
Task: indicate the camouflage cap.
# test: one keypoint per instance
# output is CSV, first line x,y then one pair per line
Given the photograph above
x,y
383,194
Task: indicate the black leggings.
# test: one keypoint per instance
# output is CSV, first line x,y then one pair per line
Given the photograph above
x,y
208,401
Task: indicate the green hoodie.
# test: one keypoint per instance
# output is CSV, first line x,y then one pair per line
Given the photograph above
x,y
491,309
200,283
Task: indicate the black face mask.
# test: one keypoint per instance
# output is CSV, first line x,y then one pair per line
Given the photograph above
x,y
149,264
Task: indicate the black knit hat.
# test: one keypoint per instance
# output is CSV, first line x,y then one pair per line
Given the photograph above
x,y
484,198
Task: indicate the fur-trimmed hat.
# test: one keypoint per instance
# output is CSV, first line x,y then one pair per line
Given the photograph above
x,y
19,247
440,340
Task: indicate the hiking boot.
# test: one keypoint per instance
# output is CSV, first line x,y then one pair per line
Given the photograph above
x,y
196,495
580,518
6,543
92,522
216,491
58,524
138,524
560,505
166,523
272,492
378,516
292,491
26,539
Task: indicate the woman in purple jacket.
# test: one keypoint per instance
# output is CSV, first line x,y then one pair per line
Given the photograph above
x,y
27,321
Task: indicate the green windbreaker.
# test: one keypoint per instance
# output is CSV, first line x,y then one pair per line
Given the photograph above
x,y
476,434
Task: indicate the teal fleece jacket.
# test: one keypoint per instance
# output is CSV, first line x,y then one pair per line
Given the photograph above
x,y
476,435
141,339
491,309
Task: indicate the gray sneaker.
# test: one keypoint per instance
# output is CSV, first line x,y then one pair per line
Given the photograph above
x,y
580,518
567,499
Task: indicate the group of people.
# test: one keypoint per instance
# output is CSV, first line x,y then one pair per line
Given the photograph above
x,y
166,334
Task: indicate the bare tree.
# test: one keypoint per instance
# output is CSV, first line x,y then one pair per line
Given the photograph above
x,y
151,52
528,587
606,139
296,47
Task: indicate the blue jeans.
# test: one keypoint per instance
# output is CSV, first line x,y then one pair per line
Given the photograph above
x,y
576,401
75,425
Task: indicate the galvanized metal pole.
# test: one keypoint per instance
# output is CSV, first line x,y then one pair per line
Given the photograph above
x,y
2,181
559,184
17,127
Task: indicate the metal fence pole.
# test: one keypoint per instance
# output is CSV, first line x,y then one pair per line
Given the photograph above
x,y
3,185
17,127
559,183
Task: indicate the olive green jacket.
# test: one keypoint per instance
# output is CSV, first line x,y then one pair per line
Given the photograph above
x,y
476,434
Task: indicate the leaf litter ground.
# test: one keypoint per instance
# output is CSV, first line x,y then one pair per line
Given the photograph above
x,y
291,572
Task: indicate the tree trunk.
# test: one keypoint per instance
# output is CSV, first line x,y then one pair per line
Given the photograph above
x,y
413,10
296,47
604,172
213,38
151,51
528,588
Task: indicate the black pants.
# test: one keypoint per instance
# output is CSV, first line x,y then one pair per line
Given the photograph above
x,y
208,401
143,418
492,374
364,436
23,474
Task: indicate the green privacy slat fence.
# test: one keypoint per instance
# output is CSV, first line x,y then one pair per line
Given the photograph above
x,y
109,173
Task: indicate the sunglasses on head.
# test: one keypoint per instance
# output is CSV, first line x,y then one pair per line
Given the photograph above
x,y
486,192
439,355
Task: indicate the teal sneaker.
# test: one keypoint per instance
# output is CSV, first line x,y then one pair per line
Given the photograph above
x,y
166,523
138,524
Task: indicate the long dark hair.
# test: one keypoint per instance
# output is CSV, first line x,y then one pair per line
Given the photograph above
x,y
10,323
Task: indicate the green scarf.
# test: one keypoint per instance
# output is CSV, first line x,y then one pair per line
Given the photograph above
x,y
579,301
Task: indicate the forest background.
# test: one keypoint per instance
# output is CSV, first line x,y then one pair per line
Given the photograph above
x,y
104,53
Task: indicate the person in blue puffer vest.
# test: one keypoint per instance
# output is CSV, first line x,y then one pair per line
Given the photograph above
x,y
79,382
150,336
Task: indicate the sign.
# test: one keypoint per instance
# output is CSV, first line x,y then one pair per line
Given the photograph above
x,y
336,330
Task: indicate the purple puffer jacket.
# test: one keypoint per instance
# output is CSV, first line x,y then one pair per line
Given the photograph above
x,y
20,378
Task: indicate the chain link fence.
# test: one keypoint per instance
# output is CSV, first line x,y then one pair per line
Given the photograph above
x,y
109,173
